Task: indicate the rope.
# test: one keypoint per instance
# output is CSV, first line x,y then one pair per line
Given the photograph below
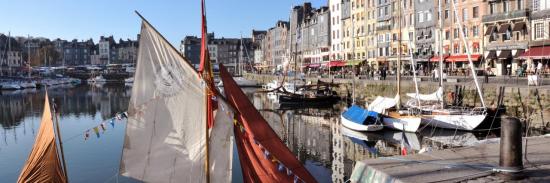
x,y
78,135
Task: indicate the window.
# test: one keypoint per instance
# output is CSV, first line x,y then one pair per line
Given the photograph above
x,y
455,33
447,35
394,37
420,17
492,8
464,14
508,34
446,14
475,31
387,37
505,6
539,30
536,5
519,4
428,16
456,48
475,12
465,30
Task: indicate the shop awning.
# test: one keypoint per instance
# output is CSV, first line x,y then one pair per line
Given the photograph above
x,y
353,62
504,54
491,55
519,53
503,28
537,53
490,30
463,58
337,63
436,58
314,65
519,26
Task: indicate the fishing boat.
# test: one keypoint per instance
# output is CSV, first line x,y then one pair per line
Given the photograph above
x,y
360,119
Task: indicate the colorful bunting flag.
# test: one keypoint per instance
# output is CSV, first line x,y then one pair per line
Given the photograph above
x,y
96,131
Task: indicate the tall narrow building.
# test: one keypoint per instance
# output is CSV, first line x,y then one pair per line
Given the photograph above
x,y
425,25
370,13
336,49
539,46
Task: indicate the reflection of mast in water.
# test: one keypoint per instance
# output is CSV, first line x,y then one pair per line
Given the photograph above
x,y
337,153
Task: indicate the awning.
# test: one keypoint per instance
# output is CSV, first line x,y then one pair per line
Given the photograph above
x,y
314,65
462,58
490,30
436,58
518,53
519,26
491,55
353,62
503,28
504,54
537,53
337,63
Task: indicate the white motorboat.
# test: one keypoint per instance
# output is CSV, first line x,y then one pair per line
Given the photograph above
x,y
129,80
242,82
28,84
359,119
10,86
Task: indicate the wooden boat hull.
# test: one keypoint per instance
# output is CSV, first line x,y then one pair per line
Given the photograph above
x,y
359,127
403,123
465,122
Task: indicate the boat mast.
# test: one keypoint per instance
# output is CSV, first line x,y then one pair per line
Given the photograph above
x,y
440,30
398,102
353,54
29,54
469,54
58,134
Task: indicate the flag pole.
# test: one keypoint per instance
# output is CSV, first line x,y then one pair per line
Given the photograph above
x,y
207,74
56,121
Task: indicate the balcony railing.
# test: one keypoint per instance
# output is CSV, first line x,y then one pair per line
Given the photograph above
x,y
384,27
504,16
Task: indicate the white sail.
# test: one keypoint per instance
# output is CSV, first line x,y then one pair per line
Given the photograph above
x,y
165,135
436,96
221,144
380,104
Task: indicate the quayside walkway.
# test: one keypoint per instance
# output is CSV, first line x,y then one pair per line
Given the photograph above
x,y
466,164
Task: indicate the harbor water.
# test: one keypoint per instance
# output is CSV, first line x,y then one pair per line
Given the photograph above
x,y
93,139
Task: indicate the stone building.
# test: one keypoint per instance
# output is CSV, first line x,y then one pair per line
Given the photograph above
x,y
316,38
539,45
358,33
425,25
384,25
107,50
258,37
10,54
506,35
347,30
298,15
127,51
77,52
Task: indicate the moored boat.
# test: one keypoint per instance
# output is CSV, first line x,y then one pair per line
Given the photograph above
x,y
360,119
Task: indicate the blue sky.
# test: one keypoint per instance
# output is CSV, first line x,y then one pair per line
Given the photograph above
x,y
84,19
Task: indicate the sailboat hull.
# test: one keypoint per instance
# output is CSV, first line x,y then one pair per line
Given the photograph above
x,y
360,127
454,121
408,124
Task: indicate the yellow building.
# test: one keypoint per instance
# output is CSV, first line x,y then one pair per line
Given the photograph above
x,y
370,21
358,34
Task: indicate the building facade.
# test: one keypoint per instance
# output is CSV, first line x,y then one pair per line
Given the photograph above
x,y
107,50
77,52
336,51
316,38
536,59
10,54
506,35
425,34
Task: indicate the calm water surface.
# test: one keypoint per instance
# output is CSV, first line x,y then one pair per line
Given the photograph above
x,y
314,135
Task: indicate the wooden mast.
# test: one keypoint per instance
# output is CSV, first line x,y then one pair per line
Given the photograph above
x,y
58,134
398,102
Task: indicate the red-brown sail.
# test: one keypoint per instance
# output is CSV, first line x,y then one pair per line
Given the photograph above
x,y
263,156
43,164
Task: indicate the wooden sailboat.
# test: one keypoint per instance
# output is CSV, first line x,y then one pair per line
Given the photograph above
x,y
44,164
180,126
451,117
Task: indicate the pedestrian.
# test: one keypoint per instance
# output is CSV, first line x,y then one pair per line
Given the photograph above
x,y
487,74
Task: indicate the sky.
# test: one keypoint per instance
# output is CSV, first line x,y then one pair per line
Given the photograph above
x,y
85,19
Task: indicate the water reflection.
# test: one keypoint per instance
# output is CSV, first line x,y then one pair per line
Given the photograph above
x,y
330,150
81,107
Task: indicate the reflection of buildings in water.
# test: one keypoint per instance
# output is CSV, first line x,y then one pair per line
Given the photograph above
x,y
337,153
310,138
81,100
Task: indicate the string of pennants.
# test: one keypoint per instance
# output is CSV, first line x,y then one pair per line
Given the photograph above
x,y
267,155
102,127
